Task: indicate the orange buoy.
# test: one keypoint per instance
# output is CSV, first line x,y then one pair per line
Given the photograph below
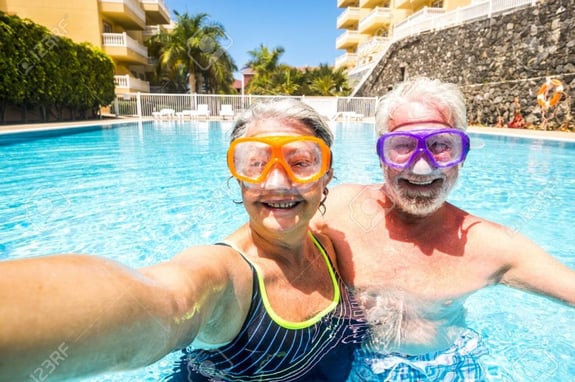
x,y
542,95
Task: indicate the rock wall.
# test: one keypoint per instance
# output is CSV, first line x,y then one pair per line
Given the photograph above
x,y
494,60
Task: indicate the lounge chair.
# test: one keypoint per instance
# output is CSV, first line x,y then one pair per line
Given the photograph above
x,y
226,111
185,114
202,111
351,115
164,114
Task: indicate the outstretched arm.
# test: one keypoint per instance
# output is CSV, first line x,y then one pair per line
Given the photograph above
x,y
72,315
533,269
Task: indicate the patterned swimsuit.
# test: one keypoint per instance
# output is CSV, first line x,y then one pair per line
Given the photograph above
x,y
270,349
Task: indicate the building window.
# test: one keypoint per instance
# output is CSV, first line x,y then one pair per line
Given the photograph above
x,y
107,28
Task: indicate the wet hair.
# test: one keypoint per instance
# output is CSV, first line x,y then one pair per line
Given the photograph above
x,y
443,96
287,109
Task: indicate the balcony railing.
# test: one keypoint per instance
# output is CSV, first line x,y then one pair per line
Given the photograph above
x,y
378,18
123,40
349,39
346,60
127,83
349,17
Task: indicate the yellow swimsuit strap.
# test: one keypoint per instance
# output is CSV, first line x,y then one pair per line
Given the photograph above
x,y
309,322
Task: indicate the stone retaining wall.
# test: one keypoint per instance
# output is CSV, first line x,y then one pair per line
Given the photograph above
x,y
494,60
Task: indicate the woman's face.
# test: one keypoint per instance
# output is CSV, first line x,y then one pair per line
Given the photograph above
x,y
278,203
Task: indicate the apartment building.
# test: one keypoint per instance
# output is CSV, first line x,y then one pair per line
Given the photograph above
x,y
370,26
118,27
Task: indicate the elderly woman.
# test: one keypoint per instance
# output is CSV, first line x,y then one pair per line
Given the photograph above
x,y
266,304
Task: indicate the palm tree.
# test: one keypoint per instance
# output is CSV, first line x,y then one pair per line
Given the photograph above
x,y
264,60
196,46
263,63
325,81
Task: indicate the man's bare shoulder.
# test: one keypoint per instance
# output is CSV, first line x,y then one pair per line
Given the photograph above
x,y
343,194
490,239
352,187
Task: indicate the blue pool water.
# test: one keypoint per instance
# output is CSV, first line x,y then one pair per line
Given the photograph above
x,y
140,193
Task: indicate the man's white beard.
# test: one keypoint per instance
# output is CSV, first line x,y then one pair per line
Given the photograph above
x,y
419,203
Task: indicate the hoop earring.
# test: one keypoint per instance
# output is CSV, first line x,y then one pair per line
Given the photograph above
x,y
321,207
228,184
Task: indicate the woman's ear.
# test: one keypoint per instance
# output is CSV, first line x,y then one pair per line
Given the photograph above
x,y
329,176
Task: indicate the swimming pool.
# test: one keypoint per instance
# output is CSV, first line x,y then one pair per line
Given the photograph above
x,y
141,192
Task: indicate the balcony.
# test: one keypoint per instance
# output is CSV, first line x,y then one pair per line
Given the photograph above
x,y
126,13
156,12
349,40
346,61
378,19
374,3
411,5
123,48
129,84
152,30
347,3
349,18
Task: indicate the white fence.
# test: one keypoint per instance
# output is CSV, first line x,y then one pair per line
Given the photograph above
x,y
144,105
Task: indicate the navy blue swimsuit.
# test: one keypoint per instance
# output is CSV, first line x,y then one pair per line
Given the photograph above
x,y
321,349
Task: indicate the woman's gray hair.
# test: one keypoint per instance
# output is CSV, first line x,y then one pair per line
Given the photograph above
x,y
442,96
286,109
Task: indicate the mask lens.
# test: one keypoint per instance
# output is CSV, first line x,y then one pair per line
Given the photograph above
x,y
398,149
446,148
251,158
304,159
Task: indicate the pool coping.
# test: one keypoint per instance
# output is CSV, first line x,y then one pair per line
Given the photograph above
x,y
524,133
36,127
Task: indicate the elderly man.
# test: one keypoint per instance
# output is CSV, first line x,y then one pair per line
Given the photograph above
x,y
414,267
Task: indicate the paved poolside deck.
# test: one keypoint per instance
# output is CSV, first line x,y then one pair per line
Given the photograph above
x,y
555,135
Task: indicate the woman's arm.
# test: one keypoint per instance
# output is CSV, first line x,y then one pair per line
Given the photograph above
x,y
71,315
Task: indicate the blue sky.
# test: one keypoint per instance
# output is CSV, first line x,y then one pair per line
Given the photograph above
x,y
306,29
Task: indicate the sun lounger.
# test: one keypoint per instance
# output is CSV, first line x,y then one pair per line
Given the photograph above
x,y
185,114
226,111
202,111
164,114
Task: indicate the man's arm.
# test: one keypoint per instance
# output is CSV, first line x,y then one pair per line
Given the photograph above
x,y
533,269
72,315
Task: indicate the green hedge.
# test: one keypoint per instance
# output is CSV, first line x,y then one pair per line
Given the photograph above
x,y
49,73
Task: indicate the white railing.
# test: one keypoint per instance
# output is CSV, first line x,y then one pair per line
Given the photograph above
x,y
428,19
346,60
129,83
350,13
123,40
374,17
152,30
143,105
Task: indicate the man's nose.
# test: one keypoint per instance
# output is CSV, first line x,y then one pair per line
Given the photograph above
x,y
422,164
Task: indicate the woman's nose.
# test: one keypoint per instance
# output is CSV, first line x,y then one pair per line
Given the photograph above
x,y
277,178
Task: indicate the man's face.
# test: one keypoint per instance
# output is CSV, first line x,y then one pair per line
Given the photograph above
x,y
422,187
